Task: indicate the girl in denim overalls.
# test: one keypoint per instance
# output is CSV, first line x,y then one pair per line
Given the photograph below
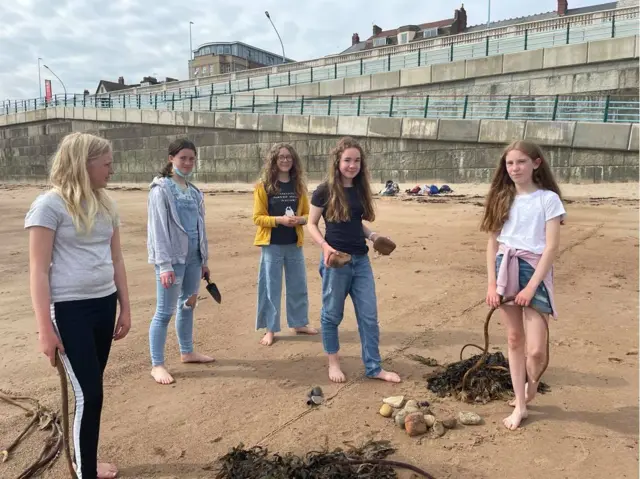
x,y
523,214
177,244
344,200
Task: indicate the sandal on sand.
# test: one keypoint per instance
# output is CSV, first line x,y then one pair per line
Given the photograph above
x,y
384,245
338,259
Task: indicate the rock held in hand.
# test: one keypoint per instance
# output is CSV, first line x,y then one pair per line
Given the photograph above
x,y
415,424
386,410
429,419
469,418
394,401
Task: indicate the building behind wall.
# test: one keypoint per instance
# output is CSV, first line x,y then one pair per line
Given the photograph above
x,y
458,24
226,57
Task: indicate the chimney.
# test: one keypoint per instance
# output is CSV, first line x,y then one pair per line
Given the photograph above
x,y
463,18
459,24
121,80
562,7
376,30
355,38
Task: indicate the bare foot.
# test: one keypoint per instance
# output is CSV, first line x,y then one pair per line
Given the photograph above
x,y
196,358
388,376
335,372
267,339
513,421
306,330
107,471
528,397
161,375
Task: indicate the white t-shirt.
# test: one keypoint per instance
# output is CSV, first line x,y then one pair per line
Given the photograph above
x,y
81,265
525,228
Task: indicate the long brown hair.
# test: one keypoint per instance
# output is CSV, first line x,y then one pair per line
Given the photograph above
x,y
174,148
337,204
503,190
269,173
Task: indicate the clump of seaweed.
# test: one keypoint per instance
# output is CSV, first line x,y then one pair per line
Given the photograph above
x,y
490,381
365,462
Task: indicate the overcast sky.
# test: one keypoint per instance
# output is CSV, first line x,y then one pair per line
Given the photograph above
x,y
84,41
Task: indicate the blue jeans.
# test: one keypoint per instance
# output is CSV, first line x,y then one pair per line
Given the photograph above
x,y
171,299
540,299
273,260
354,279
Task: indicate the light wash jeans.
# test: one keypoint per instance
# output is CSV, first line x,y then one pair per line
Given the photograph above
x,y
356,280
171,299
273,260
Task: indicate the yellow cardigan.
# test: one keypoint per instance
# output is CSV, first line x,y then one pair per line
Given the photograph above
x,y
265,223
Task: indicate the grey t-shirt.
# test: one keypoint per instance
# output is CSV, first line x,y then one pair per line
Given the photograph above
x,y
81,264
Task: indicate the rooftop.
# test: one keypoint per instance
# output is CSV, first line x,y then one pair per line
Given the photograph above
x,y
208,44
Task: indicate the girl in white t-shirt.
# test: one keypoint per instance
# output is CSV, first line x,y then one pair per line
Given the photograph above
x,y
523,214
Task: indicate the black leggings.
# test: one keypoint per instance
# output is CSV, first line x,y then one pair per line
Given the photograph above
x,y
86,331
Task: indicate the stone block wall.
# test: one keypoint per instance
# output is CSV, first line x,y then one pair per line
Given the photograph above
x,y
405,150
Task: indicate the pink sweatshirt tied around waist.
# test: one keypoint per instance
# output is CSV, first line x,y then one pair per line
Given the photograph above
x,y
508,280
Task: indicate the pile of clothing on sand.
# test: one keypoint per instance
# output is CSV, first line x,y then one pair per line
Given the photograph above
x,y
428,190
391,188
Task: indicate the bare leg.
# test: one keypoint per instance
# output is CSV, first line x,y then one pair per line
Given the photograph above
x,y
515,337
335,372
536,347
107,471
536,326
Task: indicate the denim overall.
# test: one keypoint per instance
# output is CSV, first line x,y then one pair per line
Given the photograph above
x,y
186,284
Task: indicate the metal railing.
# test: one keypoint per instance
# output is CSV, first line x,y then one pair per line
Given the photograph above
x,y
588,108
508,39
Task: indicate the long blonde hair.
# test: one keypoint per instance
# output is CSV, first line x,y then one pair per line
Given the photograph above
x,y
503,191
70,179
269,173
337,204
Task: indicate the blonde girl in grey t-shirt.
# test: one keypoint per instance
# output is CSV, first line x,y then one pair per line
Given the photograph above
x,y
77,279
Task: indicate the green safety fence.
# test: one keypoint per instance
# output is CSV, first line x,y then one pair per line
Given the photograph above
x,y
587,108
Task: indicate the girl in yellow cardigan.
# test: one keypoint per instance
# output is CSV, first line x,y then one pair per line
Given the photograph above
x,y
280,209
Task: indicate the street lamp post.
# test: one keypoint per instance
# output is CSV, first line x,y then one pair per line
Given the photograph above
x,y
39,78
274,27
65,88
190,43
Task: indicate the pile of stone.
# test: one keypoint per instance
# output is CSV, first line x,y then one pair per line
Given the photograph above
x,y
418,419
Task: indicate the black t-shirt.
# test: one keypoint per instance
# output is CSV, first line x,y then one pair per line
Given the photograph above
x,y
284,203
347,236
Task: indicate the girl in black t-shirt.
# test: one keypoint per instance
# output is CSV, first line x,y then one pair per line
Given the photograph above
x,y
280,209
344,200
